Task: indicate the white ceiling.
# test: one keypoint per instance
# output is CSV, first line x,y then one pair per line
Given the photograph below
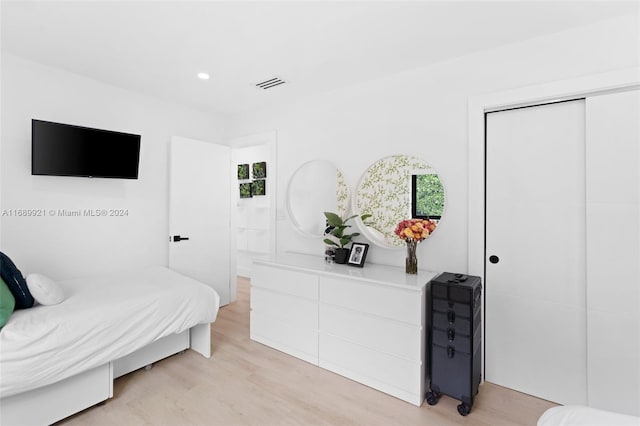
x,y
158,47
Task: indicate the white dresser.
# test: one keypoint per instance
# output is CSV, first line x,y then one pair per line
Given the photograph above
x,y
367,324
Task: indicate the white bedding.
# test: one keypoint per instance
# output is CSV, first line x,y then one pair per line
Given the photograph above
x,y
100,320
575,415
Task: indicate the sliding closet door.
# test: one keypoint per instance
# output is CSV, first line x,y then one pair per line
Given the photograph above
x,y
535,251
613,251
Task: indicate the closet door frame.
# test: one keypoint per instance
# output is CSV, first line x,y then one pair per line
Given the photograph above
x,y
610,82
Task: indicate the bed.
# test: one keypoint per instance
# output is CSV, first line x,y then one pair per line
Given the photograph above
x,y
60,359
575,415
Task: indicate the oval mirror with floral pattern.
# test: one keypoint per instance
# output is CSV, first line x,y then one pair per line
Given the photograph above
x,y
388,189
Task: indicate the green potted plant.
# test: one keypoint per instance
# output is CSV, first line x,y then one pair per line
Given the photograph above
x,y
338,236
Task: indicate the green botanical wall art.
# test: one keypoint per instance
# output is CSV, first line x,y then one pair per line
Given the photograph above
x,y
260,170
243,171
258,187
245,190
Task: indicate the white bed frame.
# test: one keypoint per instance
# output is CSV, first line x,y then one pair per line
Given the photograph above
x,y
54,402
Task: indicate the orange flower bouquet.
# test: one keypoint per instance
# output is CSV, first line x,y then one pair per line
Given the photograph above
x,y
412,231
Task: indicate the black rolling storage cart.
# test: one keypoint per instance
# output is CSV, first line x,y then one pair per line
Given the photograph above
x,y
455,339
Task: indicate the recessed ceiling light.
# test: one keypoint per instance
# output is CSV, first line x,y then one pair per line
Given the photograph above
x,y
203,76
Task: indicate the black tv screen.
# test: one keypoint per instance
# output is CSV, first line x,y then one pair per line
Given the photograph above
x,y
65,150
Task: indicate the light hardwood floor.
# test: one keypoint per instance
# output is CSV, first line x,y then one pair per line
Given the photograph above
x,y
246,383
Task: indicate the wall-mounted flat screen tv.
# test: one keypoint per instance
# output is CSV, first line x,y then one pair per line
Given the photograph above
x,y
65,150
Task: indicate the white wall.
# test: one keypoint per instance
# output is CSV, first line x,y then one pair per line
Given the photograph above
x,y
65,247
423,112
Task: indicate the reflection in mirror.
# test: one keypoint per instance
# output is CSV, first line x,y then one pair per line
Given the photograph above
x,y
314,188
427,196
387,193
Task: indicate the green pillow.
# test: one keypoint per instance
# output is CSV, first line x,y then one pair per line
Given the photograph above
x,y
7,303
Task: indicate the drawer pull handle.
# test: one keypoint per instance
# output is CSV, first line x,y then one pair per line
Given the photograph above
x,y
451,352
451,334
451,317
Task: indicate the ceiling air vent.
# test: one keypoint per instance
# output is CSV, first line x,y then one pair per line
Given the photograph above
x,y
268,84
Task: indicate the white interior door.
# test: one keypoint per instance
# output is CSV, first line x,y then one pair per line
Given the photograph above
x,y
199,213
535,227
613,251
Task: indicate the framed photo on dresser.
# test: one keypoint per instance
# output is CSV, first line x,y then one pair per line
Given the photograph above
x,y
358,254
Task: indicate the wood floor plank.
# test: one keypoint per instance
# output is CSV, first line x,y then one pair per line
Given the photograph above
x,y
247,383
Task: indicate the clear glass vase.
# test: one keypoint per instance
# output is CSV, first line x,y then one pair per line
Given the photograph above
x,y
412,259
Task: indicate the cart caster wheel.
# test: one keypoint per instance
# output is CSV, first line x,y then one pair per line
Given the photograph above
x,y
432,398
464,409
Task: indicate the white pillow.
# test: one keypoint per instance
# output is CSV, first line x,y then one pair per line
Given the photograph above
x,y
44,289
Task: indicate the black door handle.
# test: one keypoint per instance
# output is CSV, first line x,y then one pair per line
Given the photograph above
x,y
494,259
177,238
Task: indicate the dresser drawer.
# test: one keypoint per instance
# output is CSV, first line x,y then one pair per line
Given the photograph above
x,y
376,333
395,376
285,281
295,310
385,301
285,336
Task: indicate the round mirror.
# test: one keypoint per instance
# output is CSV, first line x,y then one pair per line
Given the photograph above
x,y
393,189
314,188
